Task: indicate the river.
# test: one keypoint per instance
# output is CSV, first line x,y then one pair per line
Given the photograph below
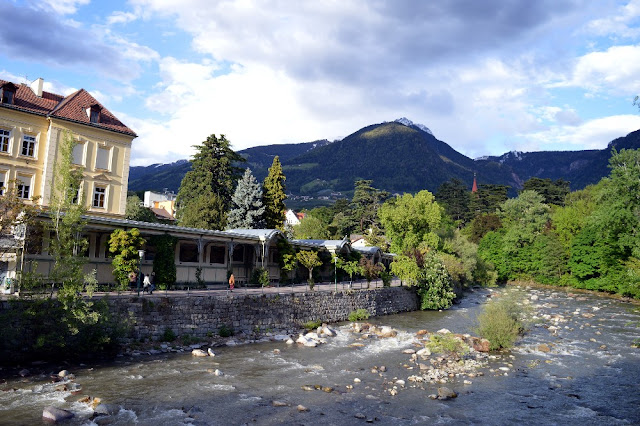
x,y
589,375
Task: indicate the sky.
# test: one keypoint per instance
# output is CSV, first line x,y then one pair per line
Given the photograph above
x,y
486,77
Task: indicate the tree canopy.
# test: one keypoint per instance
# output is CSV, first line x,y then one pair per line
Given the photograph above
x,y
274,196
248,210
208,185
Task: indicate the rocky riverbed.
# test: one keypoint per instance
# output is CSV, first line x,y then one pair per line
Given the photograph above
x,y
576,365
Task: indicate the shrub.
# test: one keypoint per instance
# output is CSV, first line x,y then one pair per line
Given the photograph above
x,y
386,278
359,315
260,276
226,331
168,336
312,325
500,322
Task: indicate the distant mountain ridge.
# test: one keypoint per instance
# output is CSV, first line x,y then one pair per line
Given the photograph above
x,y
399,156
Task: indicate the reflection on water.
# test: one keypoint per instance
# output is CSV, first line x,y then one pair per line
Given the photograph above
x,y
590,374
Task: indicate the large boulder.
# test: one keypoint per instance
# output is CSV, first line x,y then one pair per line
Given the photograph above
x,y
446,393
199,352
55,415
480,345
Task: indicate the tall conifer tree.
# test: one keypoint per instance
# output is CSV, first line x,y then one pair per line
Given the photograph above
x,y
248,211
205,193
274,196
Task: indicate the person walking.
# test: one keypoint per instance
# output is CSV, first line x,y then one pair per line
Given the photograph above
x,y
146,285
232,282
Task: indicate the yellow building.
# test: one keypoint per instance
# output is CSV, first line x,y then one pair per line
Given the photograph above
x,y
32,125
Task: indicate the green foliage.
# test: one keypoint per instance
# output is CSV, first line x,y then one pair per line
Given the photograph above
x,y
370,270
386,278
481,225
46,329
226,331
310,227
312,325
349,266
407,269
500,322
274,195
447,344
488,198
454,196
164,264
125,245
168,335
365,203
260,276
248,210
199,280
309,259
552,192
411,221
205,192
359,315
287,259
136,211
434,286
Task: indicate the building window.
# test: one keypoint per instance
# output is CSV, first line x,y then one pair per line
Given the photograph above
x,y
24,187
99,196
102,158
8,94
95,116
78,154
5,136
216,254
3,182
75,194
188,252
238,254
28,145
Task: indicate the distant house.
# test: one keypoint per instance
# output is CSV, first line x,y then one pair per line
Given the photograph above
x,y
292,218
358,240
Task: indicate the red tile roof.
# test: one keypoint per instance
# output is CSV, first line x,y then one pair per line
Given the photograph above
x,y
70,108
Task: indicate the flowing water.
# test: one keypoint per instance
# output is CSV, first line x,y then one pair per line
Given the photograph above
x,y
590,375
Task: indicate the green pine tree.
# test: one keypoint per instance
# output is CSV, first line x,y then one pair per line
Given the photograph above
x,y
208,185
248,211
274,196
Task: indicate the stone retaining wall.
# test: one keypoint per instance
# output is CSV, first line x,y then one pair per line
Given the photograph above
x,y
150,316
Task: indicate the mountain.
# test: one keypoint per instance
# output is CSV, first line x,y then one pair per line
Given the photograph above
x,y
398,156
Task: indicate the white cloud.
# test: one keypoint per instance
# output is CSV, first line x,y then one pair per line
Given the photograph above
x,y
622,22
120,17
592,134
613,71
63,7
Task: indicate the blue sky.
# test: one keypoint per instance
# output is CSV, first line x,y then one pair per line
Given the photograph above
x,y
486,77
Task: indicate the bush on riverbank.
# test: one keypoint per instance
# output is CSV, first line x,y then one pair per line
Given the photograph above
x,y
358,315
500,322
44,329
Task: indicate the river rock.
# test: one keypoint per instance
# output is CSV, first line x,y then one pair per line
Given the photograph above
x,y
290,341
360,416
106,410
199,352
24,372
446,393
480,345
302,408
409,351
424,352
56,414
63,373
444,331
421,332
218,373
386,331
544,348
210,352
325,330
279,404
307,388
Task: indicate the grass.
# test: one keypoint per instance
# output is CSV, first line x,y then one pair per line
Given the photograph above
x,y
312,325
359,315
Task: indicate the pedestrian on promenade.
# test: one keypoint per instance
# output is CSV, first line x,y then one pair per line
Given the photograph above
x,y
232,282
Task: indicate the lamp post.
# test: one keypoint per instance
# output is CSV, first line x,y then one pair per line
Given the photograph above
x,y
335,272
140,256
